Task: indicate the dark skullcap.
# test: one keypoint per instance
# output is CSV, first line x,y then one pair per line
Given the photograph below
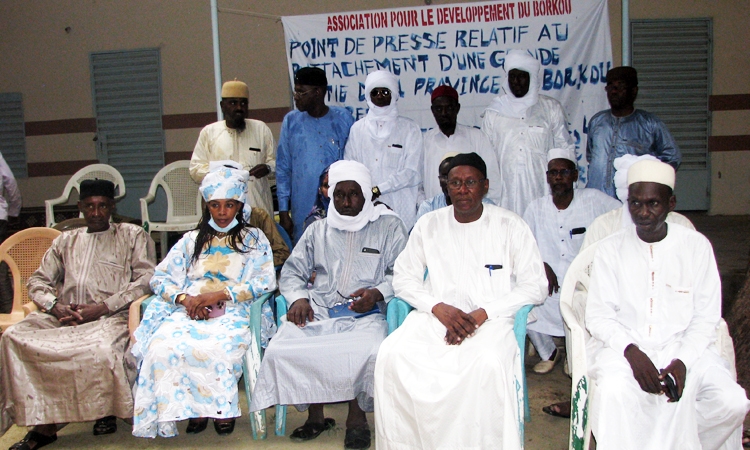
x,y
444,90
469,159
623,73
97,188
311,76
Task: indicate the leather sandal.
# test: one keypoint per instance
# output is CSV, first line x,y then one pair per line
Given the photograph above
x,y
197,425
310,431
105,425
357,438
38,439
224,426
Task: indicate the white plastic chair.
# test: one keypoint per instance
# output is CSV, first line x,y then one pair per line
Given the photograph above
x,y
183,202
90,172
573,308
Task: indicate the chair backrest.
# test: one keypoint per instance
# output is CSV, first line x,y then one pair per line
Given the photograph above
x,y
183,197
90,172
23,253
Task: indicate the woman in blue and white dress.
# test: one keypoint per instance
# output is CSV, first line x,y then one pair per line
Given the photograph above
x,y
189,352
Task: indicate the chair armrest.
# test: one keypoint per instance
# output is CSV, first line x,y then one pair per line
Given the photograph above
x,y
281,308
29,308
134,315
396,313
145,201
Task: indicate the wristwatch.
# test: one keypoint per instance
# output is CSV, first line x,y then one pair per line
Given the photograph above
x,y
375,192
180,298
47,307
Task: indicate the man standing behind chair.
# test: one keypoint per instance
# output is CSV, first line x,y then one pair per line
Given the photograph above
x,y
653,307
451,137
65,363
446,378
237,138
311,139
317,356
10,208
390,146
523,126
559,222
624,130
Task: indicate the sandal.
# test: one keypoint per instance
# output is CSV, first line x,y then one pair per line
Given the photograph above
x,y
37,438
746,439
224,426
310,431
561,409
357,438
105,425
195,426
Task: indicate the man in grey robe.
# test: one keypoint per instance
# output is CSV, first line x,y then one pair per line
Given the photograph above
x,y
66,362
319,356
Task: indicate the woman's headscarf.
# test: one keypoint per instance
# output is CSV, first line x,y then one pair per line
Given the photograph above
x,y
353,171
508,104
381,119
225,180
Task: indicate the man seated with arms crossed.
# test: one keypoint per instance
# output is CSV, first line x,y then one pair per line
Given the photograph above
x,y
319,355
66,362
653,307
446,377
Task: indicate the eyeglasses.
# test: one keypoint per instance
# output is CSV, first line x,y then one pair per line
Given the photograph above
x,y
302,94
380,92
565,172
471,183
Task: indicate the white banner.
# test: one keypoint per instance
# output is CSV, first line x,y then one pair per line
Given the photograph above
x,y
462,45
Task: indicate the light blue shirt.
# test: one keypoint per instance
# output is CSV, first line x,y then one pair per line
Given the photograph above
x,y
307,145
609,137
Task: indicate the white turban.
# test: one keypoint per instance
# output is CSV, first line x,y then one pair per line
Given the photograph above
x,y
509,105
223,182
380,120
651,172
345,170
562,153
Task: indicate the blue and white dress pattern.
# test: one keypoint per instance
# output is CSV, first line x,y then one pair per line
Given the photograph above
x,y
190,368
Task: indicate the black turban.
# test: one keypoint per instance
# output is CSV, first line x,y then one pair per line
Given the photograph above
x,y
470,159
311,76
97,188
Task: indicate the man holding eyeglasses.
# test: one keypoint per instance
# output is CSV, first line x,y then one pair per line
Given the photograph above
x,y
67,362
624,130
237,138
446,378
325,351
390,146
523,125
559,222
451,137
312,137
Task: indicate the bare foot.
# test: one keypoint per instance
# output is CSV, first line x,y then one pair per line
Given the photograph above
x,y
561,409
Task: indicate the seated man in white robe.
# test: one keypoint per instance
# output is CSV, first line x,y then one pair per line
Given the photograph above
x,y
325,351
653,307
446,378
66,362
559,222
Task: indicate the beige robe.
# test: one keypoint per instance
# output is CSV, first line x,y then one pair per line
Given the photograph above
x,y
56,374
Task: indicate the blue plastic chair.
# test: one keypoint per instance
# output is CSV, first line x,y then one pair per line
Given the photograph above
x,y
251,361
281,309
398,310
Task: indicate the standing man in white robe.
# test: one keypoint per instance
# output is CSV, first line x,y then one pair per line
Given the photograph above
x,y
559,222
446,377
523,126
390,146
451,137
320,356
246,141
653,307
